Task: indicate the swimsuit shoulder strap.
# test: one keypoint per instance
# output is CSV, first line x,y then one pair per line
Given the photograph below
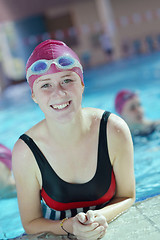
x,y
103,125
39,156
103,154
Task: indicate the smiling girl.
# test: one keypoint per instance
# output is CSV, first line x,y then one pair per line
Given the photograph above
x,y
74,169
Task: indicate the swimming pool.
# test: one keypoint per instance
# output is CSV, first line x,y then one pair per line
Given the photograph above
x,y
18,113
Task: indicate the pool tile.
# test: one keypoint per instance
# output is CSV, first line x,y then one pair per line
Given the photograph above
x,y
150,207
156,220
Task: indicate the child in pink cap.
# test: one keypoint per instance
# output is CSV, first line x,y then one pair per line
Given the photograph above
x,y
128,106
7,183
72,171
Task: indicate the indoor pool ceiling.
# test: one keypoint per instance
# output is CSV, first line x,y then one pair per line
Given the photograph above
x,y
11,10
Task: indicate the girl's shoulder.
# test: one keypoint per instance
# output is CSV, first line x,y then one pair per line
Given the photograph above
x,y
114,120
20,148
37,128
93,113
118,132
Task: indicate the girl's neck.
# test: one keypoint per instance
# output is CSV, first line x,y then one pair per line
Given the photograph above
x,y
66,133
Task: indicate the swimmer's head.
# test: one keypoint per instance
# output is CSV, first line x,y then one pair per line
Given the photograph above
x,y
121,98
52,56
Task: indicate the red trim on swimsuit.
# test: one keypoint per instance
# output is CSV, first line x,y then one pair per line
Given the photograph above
x,y
60,206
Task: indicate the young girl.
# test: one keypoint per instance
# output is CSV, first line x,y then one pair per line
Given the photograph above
x,y
7,182
129,107
74,169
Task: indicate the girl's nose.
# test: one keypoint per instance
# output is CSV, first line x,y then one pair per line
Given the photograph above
x,y
139,109
59,91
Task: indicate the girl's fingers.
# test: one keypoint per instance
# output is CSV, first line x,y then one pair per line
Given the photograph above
x,y
81,217
97,233
102,234
86,218
102,221
90,226
90,216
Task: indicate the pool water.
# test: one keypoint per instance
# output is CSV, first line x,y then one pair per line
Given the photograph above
x,y
18,113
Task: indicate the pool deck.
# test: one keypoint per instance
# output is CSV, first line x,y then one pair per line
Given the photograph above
x,y
140,222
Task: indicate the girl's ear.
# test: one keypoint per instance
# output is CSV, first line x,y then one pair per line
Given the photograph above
x,y
33,97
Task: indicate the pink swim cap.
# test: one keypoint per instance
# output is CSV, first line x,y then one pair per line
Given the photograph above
x,y
6,156
51,49
121,98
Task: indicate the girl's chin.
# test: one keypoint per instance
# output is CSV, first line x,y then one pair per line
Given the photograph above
x,y
64,118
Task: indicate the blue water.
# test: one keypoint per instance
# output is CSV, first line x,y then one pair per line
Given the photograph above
x,y
18,113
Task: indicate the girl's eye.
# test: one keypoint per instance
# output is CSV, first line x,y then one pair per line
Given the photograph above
x,y
132,107
46,85
67,80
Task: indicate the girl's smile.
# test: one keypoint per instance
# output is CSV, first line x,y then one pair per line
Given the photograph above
x,y
61,106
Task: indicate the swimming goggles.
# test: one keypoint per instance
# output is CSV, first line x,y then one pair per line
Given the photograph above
x,y
63,62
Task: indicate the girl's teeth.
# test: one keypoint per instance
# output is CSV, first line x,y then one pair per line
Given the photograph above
x,y
60,106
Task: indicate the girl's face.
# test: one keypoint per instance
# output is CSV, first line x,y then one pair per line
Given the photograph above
x,y
59,95
132,111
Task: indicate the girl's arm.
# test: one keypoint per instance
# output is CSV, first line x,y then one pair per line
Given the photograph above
x,y
121,154
27,176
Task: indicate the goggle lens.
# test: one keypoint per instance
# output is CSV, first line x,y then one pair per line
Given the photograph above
x,y
41,66
66,61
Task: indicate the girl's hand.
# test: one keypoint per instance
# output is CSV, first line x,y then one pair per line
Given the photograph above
x,y
89,226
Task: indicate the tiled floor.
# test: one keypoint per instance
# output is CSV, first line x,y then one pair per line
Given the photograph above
x,y
140,222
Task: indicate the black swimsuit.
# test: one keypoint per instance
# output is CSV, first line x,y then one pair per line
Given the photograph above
x,y
61,199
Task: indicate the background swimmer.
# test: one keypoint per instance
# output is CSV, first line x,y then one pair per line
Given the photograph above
x,y
129,107
7,183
